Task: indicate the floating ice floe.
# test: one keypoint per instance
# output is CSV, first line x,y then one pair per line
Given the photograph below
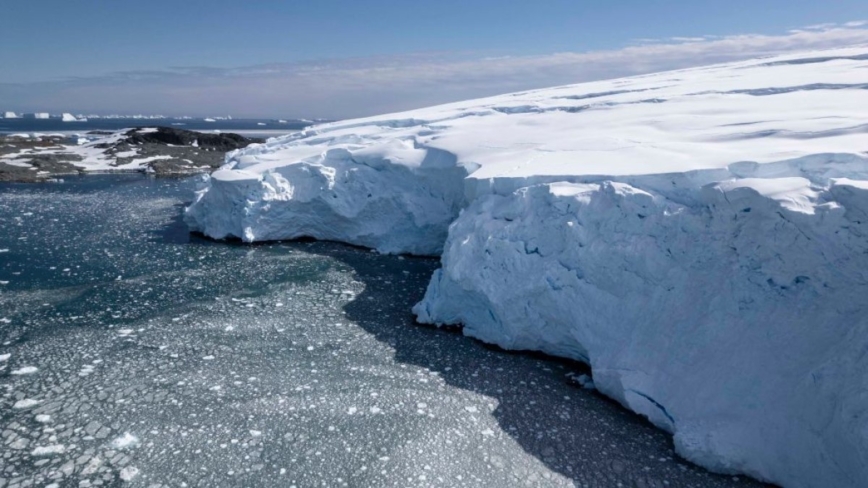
x,y
25,370
128,473
49,450
125,441
26,403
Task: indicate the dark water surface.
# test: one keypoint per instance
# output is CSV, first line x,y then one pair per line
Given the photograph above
x,y
134,354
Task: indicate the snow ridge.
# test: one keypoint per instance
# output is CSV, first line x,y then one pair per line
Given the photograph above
x,y
697,236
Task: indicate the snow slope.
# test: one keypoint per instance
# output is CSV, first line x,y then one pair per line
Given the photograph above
x,y
697,236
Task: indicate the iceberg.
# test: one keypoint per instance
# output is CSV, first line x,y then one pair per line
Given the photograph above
x,y
10,115
71,118
698,237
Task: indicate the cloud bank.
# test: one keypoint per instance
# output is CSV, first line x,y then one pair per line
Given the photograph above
x,y
366,86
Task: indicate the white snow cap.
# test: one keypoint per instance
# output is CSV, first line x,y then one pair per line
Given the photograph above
x,y
696,236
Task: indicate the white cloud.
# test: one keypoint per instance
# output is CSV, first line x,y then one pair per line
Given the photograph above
x,y
354,87
687,39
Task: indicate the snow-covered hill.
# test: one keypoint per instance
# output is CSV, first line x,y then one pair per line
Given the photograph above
x,y
699,237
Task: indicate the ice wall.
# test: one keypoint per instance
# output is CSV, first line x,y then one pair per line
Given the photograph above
x,y
732,315
359,197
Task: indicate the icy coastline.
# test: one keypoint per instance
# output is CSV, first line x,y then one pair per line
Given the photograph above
x,y
698,237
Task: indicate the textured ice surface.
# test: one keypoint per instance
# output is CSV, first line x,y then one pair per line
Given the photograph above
x,y
395,182
697,236
318,376
737,324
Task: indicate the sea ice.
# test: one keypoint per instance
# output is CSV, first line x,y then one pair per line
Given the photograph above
x,y
128,473
25,370
125,441
26,403
48,450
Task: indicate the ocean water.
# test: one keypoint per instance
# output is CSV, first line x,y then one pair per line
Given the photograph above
x,y
134,353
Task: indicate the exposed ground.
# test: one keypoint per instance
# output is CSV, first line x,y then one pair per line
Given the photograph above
x,y
160,150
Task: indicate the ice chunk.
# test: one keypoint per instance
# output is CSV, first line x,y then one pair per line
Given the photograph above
x,y
125,441
128,473
49,450
26,403
25,370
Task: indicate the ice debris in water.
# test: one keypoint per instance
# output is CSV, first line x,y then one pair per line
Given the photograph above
x,y
25,370
128,473
49,450
125,441
26,403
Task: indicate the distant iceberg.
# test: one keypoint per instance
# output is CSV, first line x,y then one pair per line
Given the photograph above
x,y
66,117
698,237
10,115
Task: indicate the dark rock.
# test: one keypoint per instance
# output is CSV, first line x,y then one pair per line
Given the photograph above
x,y
9,173
179,137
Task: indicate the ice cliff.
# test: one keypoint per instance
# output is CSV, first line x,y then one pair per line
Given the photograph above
x,y
699,237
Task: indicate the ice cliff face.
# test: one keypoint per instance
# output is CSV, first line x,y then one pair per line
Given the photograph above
x,y
699,237
365,196
735,321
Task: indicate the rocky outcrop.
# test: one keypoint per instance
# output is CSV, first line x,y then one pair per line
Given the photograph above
x,y
222,142
159,150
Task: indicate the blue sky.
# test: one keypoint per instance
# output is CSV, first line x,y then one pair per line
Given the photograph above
x,y
334,58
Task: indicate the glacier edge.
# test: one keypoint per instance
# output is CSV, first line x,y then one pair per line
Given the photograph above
x,y
704,250
734,321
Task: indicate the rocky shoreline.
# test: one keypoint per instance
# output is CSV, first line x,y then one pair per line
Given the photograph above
x,y
163,151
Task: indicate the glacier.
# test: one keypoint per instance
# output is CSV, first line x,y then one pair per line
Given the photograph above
x,y
698,237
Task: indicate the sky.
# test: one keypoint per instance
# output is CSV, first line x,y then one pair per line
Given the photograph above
x,y
339,59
